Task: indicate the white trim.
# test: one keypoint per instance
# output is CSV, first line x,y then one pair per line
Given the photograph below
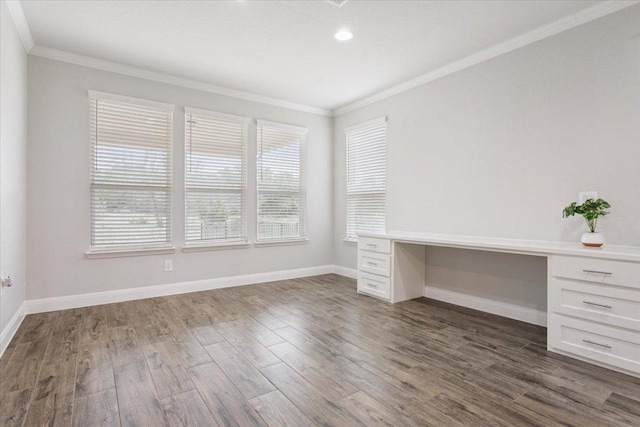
x,y
114,67
553,28
351,273
123,252
349,241
10,330
512,311
216,115
22,26
131,100
283,242
214,246
375,122
108,297
303,130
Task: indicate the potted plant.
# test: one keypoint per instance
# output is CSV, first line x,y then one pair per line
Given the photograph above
x,y
590,210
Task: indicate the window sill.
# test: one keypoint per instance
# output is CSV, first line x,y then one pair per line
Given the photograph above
x,y
125,252
215,246
265,243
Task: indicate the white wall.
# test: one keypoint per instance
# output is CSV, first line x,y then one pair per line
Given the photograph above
x,y
58,188
500,148
13,161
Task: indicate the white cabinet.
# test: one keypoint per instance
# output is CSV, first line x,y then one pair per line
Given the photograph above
x,y
594,310
374,267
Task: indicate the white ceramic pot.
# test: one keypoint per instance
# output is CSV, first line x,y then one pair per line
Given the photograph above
x,y
592,240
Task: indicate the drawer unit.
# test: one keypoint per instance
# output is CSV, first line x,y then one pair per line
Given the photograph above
x,y
375,285
606,304
374,262
612,346
597,270
375,245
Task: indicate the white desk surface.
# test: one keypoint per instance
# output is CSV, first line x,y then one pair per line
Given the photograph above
x,y
527,247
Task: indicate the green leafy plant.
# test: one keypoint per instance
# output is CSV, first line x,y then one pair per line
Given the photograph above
x,y
590,210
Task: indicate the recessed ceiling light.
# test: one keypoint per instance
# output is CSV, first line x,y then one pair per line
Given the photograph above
x,y
343,35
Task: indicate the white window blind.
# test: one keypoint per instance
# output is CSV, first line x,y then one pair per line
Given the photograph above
x,y
131,150
281,181
215,177
366,177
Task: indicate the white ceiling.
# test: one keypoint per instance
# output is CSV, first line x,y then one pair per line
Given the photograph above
x,y
286,49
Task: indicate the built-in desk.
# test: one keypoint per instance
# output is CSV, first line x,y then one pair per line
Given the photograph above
x,y
593,306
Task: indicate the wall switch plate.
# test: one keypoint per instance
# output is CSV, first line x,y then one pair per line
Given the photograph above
x,y
584,195
168,265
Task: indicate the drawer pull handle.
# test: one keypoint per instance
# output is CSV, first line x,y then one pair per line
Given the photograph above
x,y
597,343
596,304
606,273
372,285
372,245
375,264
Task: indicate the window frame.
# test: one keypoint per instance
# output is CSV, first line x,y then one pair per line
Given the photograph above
x,y
243,241
353,238
108,251
302,227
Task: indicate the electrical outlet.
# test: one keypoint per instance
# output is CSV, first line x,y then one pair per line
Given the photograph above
x,y
168,265
584,195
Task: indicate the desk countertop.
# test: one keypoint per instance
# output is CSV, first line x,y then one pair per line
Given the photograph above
x,y
526,247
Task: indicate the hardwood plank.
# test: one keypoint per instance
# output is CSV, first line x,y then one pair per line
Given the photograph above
x,y
278,411
187,410
52,401
243,374
35,327
207,335
13,407
227,405
22,370
167,371
138,402
305,396
98,409
93,326
269,321
255,352
125,348
369,411
563,409
94,370
624,407
315,371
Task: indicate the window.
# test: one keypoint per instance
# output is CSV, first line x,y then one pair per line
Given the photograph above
x,y
215,177
281,182
131,147
366,177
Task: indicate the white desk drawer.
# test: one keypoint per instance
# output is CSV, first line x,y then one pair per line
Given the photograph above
x,y
601,303
613,346
376,245
597,270
374,285
374,262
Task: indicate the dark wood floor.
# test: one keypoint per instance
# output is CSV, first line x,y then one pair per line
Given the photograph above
x,y
298,352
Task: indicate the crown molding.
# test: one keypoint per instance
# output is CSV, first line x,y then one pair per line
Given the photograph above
x,y
590,14
16,12
115,67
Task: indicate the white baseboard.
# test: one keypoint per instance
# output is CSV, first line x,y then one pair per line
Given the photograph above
x,y
503,309
10,330
345,271
108,297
